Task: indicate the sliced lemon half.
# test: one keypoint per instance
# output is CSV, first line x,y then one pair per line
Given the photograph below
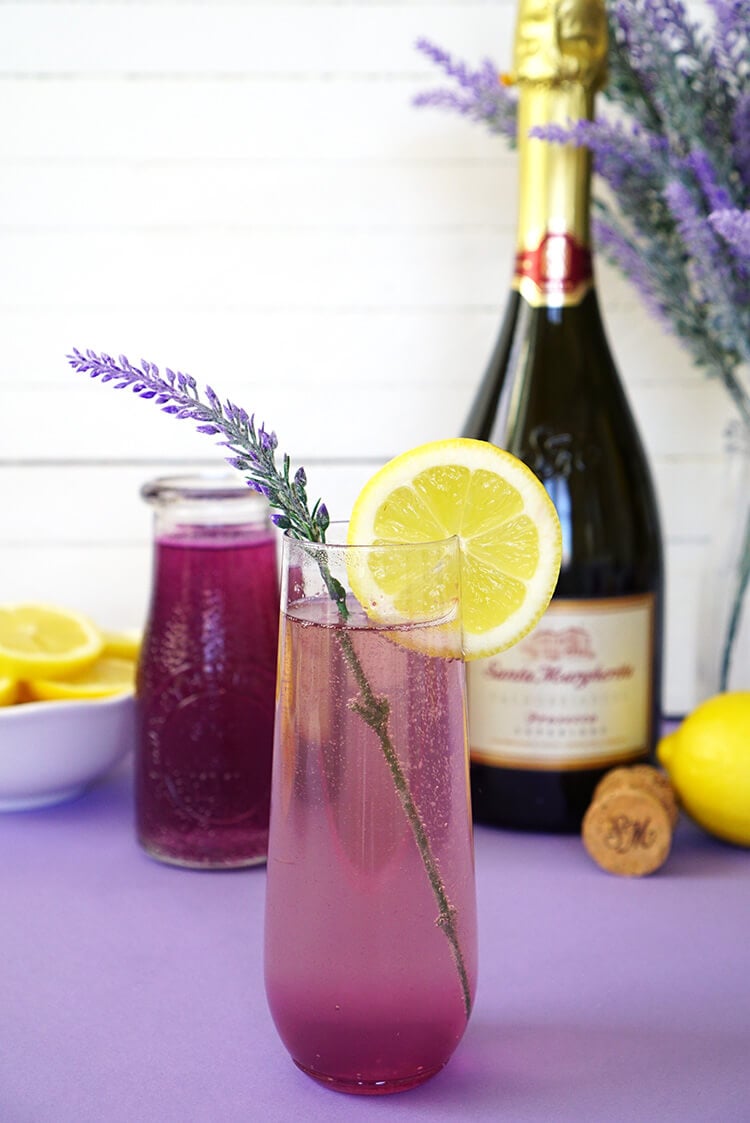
x,y
507,526
37,641
108,675
124,645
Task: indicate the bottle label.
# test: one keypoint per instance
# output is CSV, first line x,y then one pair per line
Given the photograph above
x,y
555,273
574,693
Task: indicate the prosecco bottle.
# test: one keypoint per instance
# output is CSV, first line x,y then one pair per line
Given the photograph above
x,y
581,693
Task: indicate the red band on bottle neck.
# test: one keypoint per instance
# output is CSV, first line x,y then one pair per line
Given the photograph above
x,y
557,271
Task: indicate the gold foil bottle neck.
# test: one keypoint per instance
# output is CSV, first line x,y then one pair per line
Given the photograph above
x,y
560,41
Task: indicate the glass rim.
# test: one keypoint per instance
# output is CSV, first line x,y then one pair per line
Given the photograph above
x,y
342,524
199,485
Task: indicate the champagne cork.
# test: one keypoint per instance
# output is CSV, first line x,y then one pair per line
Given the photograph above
x,y
627,830
644,778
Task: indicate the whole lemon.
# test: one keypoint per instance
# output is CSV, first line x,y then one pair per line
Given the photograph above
x,y
708,761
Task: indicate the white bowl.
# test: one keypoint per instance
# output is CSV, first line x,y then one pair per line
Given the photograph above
x,y
52,751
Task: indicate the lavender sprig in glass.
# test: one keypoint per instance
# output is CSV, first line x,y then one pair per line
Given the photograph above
x,y
253,452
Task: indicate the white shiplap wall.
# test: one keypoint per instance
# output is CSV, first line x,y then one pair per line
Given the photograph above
x,y
243,190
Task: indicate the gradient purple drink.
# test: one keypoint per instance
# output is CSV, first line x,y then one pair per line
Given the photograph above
x,y
361,981
205,693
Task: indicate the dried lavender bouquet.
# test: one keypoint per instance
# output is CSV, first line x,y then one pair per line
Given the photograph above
x,y
673,167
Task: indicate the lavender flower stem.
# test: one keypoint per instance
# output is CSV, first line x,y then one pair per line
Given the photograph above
x,y
254,453
375,712
735,614
737,392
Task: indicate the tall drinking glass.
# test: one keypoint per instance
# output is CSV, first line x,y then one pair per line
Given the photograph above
x,y
206,676
370,942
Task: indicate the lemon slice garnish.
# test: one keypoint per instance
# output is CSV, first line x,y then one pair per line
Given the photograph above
x,y
508,531
38,641
108,675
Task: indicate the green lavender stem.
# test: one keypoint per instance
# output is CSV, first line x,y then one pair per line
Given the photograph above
x,y
741,585
375,712
743,582
729,377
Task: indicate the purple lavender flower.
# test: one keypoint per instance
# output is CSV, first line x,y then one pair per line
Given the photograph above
x,y
709,268
707,177
620,154
479,96
741,139
734,228
619,248
253,451
731,32
322,518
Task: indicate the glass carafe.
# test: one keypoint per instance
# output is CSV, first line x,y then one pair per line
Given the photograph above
x,y
206,675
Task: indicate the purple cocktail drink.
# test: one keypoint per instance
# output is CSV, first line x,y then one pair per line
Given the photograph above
x,y
205,689
362,981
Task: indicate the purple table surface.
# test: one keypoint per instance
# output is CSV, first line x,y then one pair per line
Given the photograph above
x,y
131,992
